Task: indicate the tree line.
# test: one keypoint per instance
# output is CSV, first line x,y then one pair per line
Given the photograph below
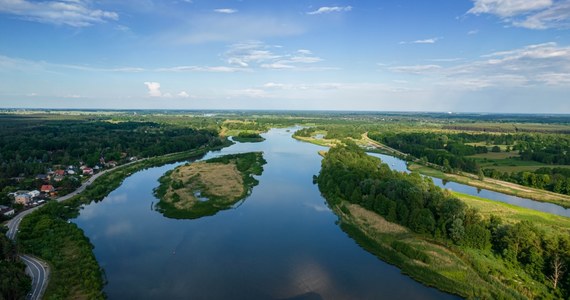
x,y
413,201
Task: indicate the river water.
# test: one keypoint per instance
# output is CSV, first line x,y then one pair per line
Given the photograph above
x,y
282,242
400,165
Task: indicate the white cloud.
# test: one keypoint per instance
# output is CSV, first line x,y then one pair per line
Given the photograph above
x,y
330,9
473,32
417,69
153,89
508,8
75,13
253,54
426,41
226,10
422,41
183,94
533,65
212,69
531,14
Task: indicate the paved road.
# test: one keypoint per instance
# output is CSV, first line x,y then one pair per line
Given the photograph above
x,y
39,272
36,268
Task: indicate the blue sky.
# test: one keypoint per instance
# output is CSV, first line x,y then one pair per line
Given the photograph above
x,y
452,55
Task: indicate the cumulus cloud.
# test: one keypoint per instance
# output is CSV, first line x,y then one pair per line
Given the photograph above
x,y
330,9
226,10
75,13
183,94
532,14
153,89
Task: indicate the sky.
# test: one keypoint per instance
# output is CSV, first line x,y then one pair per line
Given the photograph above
x,y
504,56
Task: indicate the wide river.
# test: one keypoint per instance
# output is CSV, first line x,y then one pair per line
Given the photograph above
x,y
282,242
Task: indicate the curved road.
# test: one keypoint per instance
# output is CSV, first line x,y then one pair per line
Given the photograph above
x,y
36,268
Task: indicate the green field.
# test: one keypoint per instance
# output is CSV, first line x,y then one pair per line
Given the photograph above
x,y
513,214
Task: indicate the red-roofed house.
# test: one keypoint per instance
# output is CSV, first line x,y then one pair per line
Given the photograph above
x,y
88,171
47,188
59,172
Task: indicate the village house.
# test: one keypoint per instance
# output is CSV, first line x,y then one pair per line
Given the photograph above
x,y
59,172
111,164
42,177
6,211
87,171
23,199
34,193
58,178
47,188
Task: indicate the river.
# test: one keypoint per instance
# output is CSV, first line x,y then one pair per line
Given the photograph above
x,y
282,242
400,165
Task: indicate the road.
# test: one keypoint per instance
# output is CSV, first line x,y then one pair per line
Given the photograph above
x,y
36,268
39,271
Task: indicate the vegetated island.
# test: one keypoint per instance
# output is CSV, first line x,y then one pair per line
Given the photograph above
x,y
248,137
460,244
204,188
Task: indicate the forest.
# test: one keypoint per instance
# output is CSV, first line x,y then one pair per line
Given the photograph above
x,y
14,283
31,146
349,174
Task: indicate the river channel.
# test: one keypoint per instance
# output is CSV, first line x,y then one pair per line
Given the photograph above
x,y
282,242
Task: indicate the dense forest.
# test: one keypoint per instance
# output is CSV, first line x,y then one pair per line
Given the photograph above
x,y
14,283
29,147
413,201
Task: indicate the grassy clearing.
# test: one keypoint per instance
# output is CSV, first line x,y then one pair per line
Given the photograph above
x,y
425,260
514,214
205,188
495,185
215,179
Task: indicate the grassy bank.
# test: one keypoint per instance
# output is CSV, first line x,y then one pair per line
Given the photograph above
x,y
513,214
46,233
495,185
419,257
219,183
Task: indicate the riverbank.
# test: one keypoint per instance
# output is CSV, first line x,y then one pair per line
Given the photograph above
x,y
440,240
204,188
47,234
421,258
494,185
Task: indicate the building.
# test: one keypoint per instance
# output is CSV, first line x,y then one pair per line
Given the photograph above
x,y
59,172
42,177
34,193
23,199
6,211
88,171
47,188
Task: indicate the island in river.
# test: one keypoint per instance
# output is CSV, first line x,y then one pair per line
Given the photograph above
x,y
204,188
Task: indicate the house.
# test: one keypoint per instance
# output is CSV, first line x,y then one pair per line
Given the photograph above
x,y
59,172
111,164
24,199
34,193
6,211
87,171
70,172
58,178
47,188
42,177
